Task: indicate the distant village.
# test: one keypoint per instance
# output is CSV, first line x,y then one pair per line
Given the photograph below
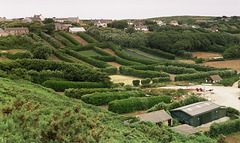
x,y
66,24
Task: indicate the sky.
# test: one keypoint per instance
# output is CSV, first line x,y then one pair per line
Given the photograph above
x,y
118,9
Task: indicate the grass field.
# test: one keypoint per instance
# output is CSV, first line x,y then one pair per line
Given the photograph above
x,y
143,55
123,79
206,55
89,53
235,138
13,51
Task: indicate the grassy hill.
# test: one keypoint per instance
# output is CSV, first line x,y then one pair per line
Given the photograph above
x,y
32,113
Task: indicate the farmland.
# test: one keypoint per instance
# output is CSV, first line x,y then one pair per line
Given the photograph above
x,y
206,55
225,64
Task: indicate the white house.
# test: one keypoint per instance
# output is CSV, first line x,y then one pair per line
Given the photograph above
x,y
141,28
76,29
173,22
160,22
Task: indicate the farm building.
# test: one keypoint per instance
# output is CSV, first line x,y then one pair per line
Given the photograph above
x,y
198,113
214,78
157,117
59,26
3,33
76,29
185,129
17,30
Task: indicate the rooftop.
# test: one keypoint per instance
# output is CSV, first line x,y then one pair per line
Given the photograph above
x,y
156,117
216,77
16,28
185,129
197,108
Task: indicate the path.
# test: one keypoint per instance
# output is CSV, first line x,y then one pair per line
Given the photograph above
x,y
79,39
235,85
172,77
61,44
53,57
114,64
110,52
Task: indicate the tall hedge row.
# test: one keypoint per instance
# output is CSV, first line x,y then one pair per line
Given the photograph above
x,y
86,37
79,92
64,41
157,52
111,70
70,38
62,85
62,56
225,128
203,75
50,40
92,61
141,73
104,98
174,69
136,104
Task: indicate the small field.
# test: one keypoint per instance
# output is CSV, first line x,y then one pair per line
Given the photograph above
x,y
123,79
187,61
225,64
141,54
206,55
89,53
79,39
110,52
235,138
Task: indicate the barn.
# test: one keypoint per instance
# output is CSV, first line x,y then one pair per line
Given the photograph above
x,y
198,113
214,78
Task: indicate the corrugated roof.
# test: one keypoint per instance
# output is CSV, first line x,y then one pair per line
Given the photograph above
x,y
197,108
16,28
76,29
156,117
215,77
185,129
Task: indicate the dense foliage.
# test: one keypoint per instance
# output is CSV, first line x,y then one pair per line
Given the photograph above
x,y
86,37
136,104
70,38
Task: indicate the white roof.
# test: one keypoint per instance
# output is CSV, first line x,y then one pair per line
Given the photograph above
x,y
77,29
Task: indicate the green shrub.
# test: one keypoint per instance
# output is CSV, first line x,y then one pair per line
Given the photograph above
x,y
145,81
50,40
229,81
104,98
79,92
164,79
136,82
159,106
225,128
70,38
62,85
174,69
62,56
155,80
86,37
20,55
136,104
111,70
64,41
231,110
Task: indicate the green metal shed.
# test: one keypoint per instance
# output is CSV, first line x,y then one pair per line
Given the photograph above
x,y
198,113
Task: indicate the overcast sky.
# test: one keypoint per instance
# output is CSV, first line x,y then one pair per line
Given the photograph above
x,y
118,9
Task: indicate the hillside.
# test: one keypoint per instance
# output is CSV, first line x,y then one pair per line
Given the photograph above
x,y
30,112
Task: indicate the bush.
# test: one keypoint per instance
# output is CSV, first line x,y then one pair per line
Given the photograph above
x,y
86,37
50,40
174,69
231,110
145,81
22,55
141,73
164,79
155,80
136,82
159,106
64,41
62,85
104,98
225,128
70,38
62,56
136,104
110,70
79,92
229,81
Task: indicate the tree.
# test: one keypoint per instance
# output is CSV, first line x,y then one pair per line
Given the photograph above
x,y
130,30
49,28
121,24
48,20
42,52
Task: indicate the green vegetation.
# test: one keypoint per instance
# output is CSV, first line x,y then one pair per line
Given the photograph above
x,y
50,40
86,37
104,98
229,81
136,104
70,38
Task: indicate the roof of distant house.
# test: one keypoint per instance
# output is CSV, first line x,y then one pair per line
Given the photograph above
x,y
16,28
197,108
215,77
185,129
2,31
156,116
75,29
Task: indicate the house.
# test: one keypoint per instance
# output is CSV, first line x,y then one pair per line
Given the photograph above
x,y
37,17
17,30
173,22
214,78
160,22
201,21
3,33
157,117
195,26
59,26
72,19
198,113
101,22
141,28
130,23
60,19
76,29
185,129
3,19
27,20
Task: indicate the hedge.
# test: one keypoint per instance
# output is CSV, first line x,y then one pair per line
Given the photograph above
x,y
145,81
203,75
50,40
104,98
70,38
136,82
136,104
141,73
126,62
62,56
105,58
92,61
174,69
79,92
86,37
62,85
225,128
19,55
157,52
64,41
111,70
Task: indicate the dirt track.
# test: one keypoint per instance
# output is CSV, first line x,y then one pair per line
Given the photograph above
x,y
79,39
110,52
